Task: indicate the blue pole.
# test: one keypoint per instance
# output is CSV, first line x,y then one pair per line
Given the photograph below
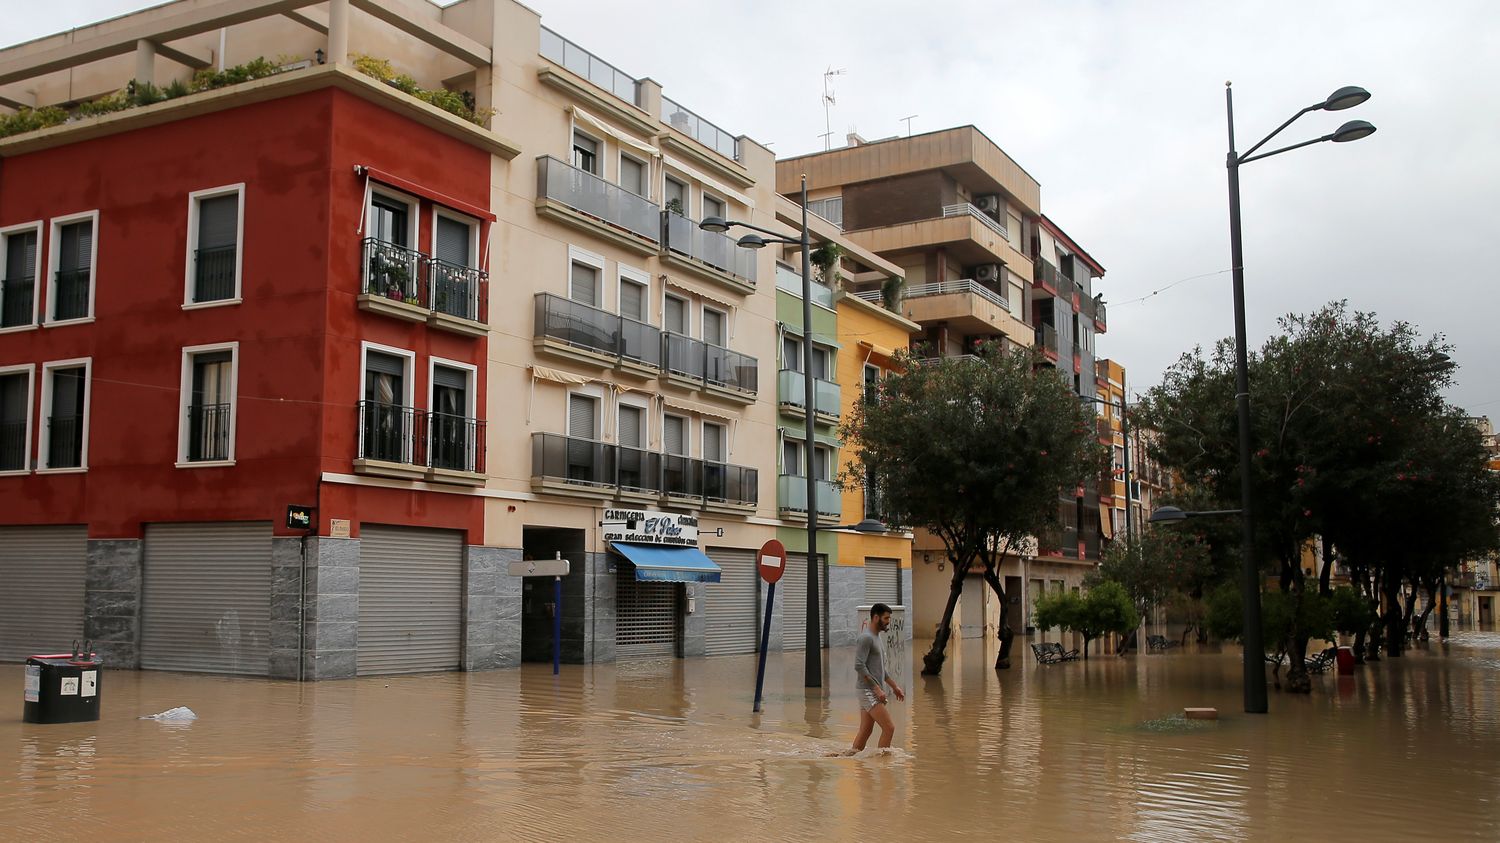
x,y
556,624
765,640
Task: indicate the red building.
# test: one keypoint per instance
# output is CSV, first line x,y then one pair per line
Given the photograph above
x,y
219,307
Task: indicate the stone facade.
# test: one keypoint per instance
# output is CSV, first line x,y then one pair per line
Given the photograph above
x,y
846,591
492,609
112,600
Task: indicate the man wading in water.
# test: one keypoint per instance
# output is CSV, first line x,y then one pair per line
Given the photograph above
x,y
869,675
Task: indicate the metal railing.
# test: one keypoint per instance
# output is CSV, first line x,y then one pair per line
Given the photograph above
x,y
17,300
13,445
791,491
682,235
710,363
701,130
964,209
790,280
72,294
580,325
1047,275
208,432
995,296
1099,311
728,483
213,273
1085,304
682,476
621,468
584,63
589,194
455,443
929,361
1046,337
64,441
393,272
872,296
457,290
791,391
389,432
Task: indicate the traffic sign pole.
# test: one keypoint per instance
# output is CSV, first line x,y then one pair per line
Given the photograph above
x,y
770,561
556,625
765,641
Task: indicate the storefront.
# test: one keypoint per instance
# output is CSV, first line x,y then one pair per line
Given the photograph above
x,y
654,556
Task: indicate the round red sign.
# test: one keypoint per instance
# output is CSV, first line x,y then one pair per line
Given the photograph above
x,y
771,560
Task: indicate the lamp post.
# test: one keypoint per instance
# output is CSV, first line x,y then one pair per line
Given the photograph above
x,y
1347,97
813,659
1125,456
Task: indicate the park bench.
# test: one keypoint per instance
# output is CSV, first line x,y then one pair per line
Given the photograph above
x,y
1049,652
1159,642
1314,664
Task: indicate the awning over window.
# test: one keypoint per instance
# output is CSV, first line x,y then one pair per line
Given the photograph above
x,y
658,563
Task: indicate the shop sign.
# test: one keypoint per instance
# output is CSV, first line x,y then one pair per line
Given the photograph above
x,y
643,526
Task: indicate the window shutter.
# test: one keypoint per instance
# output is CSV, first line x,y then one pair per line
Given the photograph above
x,y
386,364
20,256
791,457
630,427
13,398
67,392
713,327
77,246
632,176
584,289
676,316
580,417
452,242
450,377
632,301
673,439
791,354
218,220
713,443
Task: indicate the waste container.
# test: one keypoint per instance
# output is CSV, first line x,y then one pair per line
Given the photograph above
x,y
1345,659
62,688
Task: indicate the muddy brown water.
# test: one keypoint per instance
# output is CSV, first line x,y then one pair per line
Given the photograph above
x,y
668,750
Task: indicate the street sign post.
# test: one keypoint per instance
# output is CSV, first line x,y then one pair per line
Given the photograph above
x,y
770,560
556,569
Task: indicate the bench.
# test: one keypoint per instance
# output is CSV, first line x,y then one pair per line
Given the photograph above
x,y
1159,643
1049,652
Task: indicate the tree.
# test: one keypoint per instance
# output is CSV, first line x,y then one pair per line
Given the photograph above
x,y
1286,620
975,452
1156,565
1104,609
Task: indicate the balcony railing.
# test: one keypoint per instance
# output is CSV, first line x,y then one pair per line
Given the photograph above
x,y
1046,337
457,290
17,300
932,361
1099,311
791,280
582,326
64,441
213,273
600,465
208,432
589,66
1105,429
990,294
791,390
699,129
588,194
792,495
964,209
1085,304
712,364
1046,275
683,236
390,433
455,443
393,272
72,294
871,296
13,445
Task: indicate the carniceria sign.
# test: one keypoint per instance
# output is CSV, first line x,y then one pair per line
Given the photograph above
x,y
642,526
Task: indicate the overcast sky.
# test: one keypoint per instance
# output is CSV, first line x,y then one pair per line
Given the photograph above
x,y
1117,108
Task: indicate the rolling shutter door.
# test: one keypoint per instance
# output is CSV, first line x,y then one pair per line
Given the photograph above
x,y
41,590
410,600
645,617
452,241
794,615
206,598
883,581
732,605
218,221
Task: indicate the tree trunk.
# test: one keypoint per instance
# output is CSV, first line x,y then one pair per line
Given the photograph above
x,y
1086,641
1325,576
1359,647
1420,624
1394,628
1005,636
1409,614
932,662
1443,612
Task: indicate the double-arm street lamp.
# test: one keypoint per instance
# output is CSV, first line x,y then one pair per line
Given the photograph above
x,y
1125,457
813,675
1347,97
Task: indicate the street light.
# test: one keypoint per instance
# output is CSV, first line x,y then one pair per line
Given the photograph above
x,y
1124,435
1172,514
813,660
1347,97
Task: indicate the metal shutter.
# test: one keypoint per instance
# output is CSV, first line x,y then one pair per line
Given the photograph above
x,y
633,301
580,417
452,241
645,617
713,327
883,581
206,598
77,248
410,599
630,426
732,611
450,377
794,615
674,440
584,285
218,221
713,443
20,257
41,599
674,319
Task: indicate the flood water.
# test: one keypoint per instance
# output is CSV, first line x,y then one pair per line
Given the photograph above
x,y
1408,750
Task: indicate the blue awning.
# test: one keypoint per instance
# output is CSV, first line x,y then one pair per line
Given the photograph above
x,y
659,563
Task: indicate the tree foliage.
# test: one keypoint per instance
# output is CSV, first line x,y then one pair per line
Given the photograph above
x,y
1104,609
1160,562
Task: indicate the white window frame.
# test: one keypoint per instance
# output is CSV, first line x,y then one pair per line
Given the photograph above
x,y
45,440
687,312
703,323
687,433
645,172
54,259
408,388
471,379
801,446
599,153
590,259
594,393
644,405
36,281
28,459
635,276
820,454
463,219
687,191
185,390
190,264
723,439
792,365
413,211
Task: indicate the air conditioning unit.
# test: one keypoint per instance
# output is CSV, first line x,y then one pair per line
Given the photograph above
x,y
989,203
989,272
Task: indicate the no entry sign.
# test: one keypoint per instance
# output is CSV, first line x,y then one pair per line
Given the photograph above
x,y
771,560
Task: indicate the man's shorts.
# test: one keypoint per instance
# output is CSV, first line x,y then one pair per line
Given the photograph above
x,y
867,699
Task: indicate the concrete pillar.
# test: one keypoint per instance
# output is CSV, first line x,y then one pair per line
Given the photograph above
x,y
112,600
338,31
492,625
145,61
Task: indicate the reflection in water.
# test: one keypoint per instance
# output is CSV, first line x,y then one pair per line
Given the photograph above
x,y
670,750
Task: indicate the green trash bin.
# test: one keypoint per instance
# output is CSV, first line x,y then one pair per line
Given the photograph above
x,y
62,688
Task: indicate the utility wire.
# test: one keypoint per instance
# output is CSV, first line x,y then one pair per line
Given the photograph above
x,y
1158,292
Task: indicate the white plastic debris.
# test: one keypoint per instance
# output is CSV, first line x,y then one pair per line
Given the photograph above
x,y
178,714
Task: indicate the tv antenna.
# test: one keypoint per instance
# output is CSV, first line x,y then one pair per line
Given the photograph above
x,y
908,120
828,103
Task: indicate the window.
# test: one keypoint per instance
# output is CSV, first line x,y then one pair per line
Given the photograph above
x,y
791,354
214,233
387,420
455,285
207,409
1119,458
713,442
452,431
713,327
585,153
674,315
791,457
65,400
713,207
392,268
18,281
390,220
674,435
633,300
822,463
583,416
583,284
633,175
820,363
831,209
632,427
675,196
71,295
15,417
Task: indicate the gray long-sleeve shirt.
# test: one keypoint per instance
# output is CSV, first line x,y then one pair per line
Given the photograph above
x,y
868,662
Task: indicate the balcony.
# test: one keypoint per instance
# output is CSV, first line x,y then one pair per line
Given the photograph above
x,y
591,67
1105,429
583,467
967,239
791,391
585,201
716,150
13,445
455,449
964,209
412,444
458,296
1046,338
694,364
406,284
584,334
791,495
708,254
968,306
65,441
1047,277
17,302
213,273
790,280
72,293
593,82
1101,324
208,432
